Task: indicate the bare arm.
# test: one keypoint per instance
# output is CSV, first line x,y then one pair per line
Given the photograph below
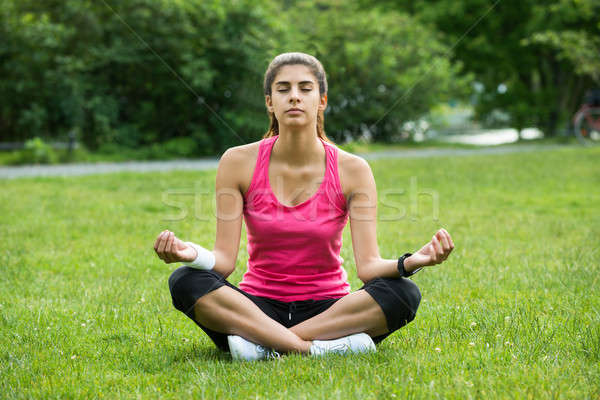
x,y
363,220
229,202
229,211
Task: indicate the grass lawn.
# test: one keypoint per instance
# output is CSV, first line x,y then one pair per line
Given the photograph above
x,y
85,309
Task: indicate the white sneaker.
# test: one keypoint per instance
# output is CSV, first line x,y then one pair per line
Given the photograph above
x,y
242,349
356,343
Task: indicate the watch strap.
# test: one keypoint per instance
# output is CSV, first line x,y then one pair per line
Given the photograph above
x,y
401,269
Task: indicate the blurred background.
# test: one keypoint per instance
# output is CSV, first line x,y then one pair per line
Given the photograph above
x,y
84,80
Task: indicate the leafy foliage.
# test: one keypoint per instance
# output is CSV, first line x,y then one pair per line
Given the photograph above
x,y
138,73
383,68
38,152
534,58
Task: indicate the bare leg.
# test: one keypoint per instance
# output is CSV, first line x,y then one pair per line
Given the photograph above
x,y
228,311
354,313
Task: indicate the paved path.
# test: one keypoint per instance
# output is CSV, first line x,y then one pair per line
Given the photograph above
x,y
211,163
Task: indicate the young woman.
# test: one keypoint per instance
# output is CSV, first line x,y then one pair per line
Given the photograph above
x,y
295,190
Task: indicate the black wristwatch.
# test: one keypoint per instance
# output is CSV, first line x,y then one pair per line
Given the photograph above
x,y
401,266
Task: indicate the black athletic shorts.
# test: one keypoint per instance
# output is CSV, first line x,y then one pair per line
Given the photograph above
x,y
399,299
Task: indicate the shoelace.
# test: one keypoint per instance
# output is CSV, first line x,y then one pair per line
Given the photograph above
x,y
338,348
273,355
270,354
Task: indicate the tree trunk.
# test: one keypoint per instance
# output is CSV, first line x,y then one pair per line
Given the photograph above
x,y
551,123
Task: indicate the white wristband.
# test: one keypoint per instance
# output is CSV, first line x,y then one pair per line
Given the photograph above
x,y
204,260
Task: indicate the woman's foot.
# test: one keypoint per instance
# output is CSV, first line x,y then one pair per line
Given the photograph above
x,y
356,343
242,349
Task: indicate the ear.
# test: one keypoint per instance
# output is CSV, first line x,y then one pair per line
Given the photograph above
x,y
323,102
269,103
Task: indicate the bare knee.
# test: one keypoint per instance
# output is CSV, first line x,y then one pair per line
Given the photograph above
x,y
212,302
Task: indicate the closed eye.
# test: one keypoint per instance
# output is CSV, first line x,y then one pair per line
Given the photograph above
x,y
285,90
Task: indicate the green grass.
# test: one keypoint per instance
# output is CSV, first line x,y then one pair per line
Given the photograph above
x,y
85,308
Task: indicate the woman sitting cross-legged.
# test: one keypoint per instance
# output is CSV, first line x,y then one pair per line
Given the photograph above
x,y
295,190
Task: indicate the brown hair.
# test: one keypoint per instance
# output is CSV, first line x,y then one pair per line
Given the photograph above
x,y
318,71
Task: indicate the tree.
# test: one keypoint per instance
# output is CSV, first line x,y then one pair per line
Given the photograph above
x,y
543,52
189,72
384,68
134,72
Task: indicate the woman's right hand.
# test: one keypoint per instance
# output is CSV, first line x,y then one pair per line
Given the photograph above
x,y
170,249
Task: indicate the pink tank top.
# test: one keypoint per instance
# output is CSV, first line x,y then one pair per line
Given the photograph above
x,y
294,252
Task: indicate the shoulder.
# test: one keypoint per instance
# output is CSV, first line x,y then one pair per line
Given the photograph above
x,y
355,172
236,165
351,163
240,154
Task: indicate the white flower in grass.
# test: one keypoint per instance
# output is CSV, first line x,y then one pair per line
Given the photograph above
x,y
471,344
498,335
473,324
438,349
83,324
469,384
507,318
73,357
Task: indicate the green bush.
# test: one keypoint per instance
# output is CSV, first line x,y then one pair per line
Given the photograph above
x,y
75,64
179,147
37,152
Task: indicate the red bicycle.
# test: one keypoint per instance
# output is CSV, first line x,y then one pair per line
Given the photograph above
x,y
587,119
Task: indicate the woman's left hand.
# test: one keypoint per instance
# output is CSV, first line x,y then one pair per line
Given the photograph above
x,y
434,252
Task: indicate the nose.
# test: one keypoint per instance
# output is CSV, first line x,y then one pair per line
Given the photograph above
x,y
294,95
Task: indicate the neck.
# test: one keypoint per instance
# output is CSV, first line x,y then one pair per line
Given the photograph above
x,y
298,147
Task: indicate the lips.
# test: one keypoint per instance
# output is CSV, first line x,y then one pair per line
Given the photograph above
x,y
294,110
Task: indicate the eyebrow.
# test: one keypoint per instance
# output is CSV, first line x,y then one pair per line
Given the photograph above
x,y
287,83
